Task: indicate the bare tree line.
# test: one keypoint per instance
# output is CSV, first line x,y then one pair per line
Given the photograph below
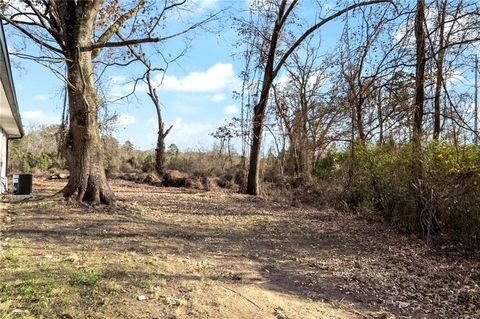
x,y
388,79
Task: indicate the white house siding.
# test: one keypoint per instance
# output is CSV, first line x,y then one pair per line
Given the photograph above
x,y
3,162
10,121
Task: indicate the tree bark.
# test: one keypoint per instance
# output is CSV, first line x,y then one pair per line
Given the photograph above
x,y
380,118
359,119
253,187
254,167
162,134
160,152
417,166
439,72
419,90
87,180
305,169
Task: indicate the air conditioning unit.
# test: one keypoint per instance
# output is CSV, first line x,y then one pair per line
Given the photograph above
x,y
22,184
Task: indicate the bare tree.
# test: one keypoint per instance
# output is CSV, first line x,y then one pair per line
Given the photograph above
x,y
152,93
272,62
75,33
299,103
418,107
454,30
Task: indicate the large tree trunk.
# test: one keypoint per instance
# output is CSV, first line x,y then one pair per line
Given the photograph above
x,y
87,181
253,187
419,91
160,155
162,134
160,152
417,164
305,168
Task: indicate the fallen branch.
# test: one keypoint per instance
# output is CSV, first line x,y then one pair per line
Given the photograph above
x,y
247,299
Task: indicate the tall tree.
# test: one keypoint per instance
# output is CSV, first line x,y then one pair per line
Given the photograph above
x,y
273,62
305,116
439,61
76,32
418,107
455,30
152,93
475,108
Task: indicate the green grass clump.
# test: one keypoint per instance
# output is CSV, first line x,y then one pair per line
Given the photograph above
x,y
84,278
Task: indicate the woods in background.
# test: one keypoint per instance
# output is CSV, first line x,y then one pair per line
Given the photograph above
x,y
384,125
387,122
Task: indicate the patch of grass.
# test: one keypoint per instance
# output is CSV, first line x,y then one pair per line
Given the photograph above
x,y
66,300
46,204
146,282
34,296
72,258
12,254
84,278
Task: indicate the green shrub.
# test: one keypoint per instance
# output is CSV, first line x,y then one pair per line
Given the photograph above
x,y
44,161
25,165
378,181
328,165
148,163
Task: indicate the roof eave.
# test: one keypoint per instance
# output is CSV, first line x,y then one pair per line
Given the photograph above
x,y
7,79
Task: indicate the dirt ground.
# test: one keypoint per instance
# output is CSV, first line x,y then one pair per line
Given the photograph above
x,y
196,254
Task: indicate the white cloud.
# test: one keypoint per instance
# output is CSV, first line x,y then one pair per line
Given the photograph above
x,y
121,87
206,3
283,80
218,97
199,6
126,119
41,97
33,115
151,122
231,109
38,117
189,133
216,79
454,77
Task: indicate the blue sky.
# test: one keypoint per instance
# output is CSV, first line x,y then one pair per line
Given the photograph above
x,y
196,93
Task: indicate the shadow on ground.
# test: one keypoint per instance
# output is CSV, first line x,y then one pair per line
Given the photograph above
x,y
185,240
